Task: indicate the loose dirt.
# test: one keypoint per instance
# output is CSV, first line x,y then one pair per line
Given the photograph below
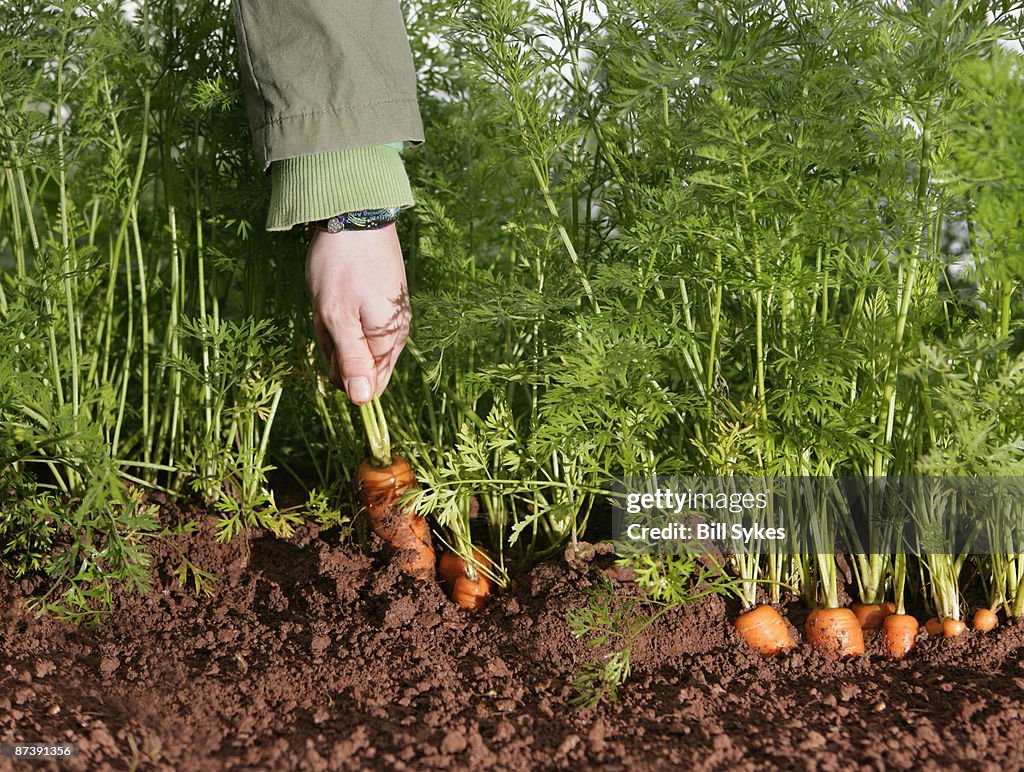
x,y
313,655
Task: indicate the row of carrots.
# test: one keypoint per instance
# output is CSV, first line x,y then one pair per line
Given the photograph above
x,y
383,478
839,632
836,632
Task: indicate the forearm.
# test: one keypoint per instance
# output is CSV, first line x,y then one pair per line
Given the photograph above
x,y
328,84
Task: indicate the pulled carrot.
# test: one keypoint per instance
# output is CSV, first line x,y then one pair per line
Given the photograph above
x,y
380,488
985,620
467,592
764,631
953,627
899,633
835,632
870,615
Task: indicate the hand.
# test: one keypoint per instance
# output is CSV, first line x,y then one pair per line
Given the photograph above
x,y
361,307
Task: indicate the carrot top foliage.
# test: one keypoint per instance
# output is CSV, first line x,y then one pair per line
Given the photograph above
x,y
751,238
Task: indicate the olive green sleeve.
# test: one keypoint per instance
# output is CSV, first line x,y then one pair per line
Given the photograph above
x,y
325,75
318,186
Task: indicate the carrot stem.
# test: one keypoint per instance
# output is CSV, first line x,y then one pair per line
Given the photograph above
x,y
899,579
377,435
1015,604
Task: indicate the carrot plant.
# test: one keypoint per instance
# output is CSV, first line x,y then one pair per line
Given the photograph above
x,y
899,629
1000,569
612,621
150,342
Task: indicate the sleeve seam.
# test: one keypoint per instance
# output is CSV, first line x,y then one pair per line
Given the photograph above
x,y
332,110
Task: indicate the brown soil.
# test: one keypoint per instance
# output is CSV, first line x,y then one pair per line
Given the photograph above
x,y
312,655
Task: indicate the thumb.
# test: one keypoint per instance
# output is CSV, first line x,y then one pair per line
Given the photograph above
x,y
354,363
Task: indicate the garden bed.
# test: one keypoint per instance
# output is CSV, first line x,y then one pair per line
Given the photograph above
x,y
313,655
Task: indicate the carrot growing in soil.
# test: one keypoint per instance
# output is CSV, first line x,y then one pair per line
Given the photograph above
x,y
899,630
762,627
381,480
467,572
871,615
833,630
985,620
468,586
935,514
764,631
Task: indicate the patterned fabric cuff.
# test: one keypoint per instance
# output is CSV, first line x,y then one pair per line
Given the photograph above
x,y
363,220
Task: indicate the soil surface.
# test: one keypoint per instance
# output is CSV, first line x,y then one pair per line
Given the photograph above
x,y
313,655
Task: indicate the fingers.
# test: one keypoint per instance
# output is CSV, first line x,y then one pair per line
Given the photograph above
x,y
359,363
352,364
386,357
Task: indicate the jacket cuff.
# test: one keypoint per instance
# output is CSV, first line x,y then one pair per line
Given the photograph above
x,y
318,186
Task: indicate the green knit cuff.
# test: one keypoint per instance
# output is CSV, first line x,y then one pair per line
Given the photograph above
x,y
315,187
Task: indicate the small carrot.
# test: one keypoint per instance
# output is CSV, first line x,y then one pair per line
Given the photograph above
x,y
467,587
764,631
953,627
835,632
450,567
985,620
870,615
933,626
899,629
899,633
380,489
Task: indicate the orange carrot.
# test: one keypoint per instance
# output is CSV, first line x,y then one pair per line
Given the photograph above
x,y
468,593
763,630
471,594
953,627
835,632
933,626
899,632
890,607
985,620
450,567
870,615
406,532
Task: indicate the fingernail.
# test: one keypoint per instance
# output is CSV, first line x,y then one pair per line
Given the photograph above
x,y
358,389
